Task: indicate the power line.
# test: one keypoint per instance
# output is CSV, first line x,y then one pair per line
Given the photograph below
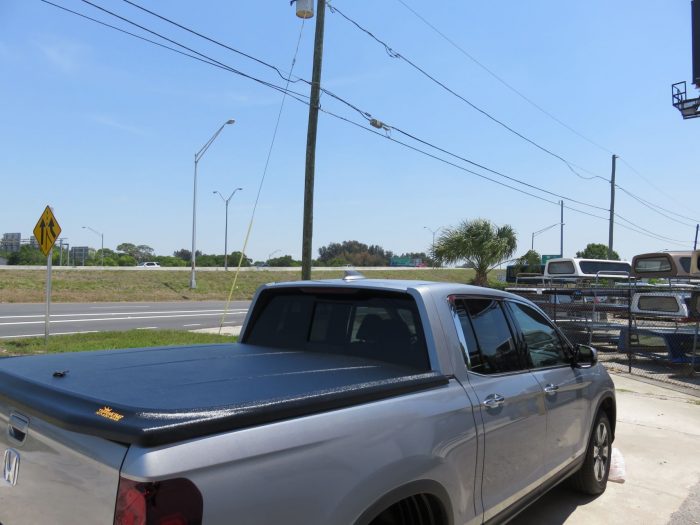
x,y
262,180
502,81
549,114
653,207
645,179
394,54
277,70
300,98
365,114
496,172
637,229
287,79
205,57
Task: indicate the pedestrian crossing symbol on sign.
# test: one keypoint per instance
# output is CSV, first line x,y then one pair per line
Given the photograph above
x,y
47,231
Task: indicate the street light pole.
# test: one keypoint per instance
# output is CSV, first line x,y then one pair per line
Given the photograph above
x,y
226,201
532,245
102,244
197,157
433,245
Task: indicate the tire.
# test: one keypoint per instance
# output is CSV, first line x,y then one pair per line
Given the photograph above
x,y
592,478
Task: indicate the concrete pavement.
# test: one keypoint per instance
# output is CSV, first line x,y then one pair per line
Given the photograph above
x,y
658,433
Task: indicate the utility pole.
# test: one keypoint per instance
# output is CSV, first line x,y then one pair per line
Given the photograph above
x,y
561,230
695,245
612,209
311,143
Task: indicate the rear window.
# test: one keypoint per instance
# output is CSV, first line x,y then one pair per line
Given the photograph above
x,y
661,303
652,265
594,267
561,268
384,327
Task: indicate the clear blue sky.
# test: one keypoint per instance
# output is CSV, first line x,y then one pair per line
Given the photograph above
x,y
104,127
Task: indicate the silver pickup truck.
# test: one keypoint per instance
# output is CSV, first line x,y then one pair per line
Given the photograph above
x,y
348,401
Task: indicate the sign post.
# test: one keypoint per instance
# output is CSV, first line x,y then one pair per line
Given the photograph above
x,y
46,232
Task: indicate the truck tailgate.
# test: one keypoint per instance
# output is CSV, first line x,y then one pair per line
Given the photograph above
x,y
53,474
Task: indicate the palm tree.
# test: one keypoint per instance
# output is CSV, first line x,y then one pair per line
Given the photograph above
x,y
480,243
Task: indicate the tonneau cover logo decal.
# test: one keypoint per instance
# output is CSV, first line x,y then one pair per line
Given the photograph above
x,y
109,414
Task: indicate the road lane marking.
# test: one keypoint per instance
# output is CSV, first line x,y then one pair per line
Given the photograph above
x,y
128,318
35,316
125,306
148,328
193,324
42,335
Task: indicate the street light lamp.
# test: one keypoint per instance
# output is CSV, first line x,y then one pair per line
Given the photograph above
x,y
197,157
532,245
271,254
226,201
102,241
433,245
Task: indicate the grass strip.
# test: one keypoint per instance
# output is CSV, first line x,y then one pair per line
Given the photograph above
x,y
107,341
74,285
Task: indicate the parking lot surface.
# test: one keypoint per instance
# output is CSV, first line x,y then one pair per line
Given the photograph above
x,y
658,433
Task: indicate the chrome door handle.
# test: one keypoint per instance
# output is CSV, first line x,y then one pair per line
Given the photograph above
x,y
551,389
494,401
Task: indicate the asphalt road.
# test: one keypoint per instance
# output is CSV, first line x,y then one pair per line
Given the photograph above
x,y
27,320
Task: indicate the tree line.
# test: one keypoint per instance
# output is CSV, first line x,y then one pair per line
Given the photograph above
x,y
477,244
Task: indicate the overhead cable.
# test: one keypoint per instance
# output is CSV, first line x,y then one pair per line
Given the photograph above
x,y
302,98
394,54
502,80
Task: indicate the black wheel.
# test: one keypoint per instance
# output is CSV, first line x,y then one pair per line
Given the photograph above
x,y
592,478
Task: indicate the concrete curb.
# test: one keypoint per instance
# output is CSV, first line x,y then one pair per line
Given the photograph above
x,y
225,330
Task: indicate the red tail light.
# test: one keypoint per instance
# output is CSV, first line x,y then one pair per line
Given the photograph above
x,y
169,502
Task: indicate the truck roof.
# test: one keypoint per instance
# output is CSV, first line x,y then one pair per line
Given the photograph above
x,y
404,285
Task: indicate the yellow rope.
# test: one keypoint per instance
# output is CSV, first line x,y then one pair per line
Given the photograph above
x,y
262,181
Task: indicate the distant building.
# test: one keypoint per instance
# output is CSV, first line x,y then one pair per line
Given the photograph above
x,y
3,261
33,242
10,242
80,254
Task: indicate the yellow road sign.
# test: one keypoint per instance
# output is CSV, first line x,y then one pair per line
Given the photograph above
x,y
47,231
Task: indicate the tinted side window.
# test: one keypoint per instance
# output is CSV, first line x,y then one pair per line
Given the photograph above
x,y
497,351
472,356
685,263
544,346
593,267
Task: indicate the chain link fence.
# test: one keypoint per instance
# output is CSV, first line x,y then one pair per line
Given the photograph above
x,y
645,330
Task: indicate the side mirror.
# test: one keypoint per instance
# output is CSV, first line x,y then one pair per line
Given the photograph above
x,y
585,356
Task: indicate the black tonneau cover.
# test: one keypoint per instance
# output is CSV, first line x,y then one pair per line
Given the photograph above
x,y
155,396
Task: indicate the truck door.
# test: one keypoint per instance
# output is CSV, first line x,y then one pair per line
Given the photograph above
x,y
511,404
549,360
